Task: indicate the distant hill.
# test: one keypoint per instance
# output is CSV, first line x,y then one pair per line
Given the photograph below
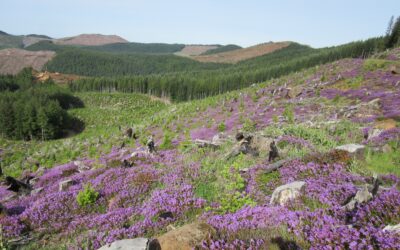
x,y
13,60
10,41
194,50
221,49
90,40
238,55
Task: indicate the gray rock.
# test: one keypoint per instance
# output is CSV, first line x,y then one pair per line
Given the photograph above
x,y
37,190
64,185
355,150
81,166
363,195
394,229
127,244
285,193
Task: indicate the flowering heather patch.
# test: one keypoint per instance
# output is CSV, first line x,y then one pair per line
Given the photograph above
x,y
385,136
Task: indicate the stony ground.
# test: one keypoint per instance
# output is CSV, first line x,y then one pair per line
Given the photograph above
x,y
312,196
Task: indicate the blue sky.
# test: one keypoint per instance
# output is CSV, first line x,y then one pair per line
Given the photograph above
x,y
247,22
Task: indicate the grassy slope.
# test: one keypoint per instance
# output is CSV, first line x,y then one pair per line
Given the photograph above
x,y
103,113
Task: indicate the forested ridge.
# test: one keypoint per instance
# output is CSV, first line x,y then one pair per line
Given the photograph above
x,y
183,86
30,110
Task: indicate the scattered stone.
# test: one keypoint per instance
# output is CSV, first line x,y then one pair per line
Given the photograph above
x,y
127,244
285,193
394,229
356,150
186,237
206,144
363,195
37,190
81,166
64,185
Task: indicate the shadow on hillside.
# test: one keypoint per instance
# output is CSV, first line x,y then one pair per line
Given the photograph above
x,y
285,244
75,126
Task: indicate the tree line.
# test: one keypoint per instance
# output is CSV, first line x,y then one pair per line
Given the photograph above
x,y
30,110
188,85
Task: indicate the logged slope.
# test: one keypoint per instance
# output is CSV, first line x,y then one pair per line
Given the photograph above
x,y
90,40
14,60
221,49
134,193
238,55
194,50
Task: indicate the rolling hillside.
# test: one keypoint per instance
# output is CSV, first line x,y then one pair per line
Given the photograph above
x,y
238,55
14,60
201,175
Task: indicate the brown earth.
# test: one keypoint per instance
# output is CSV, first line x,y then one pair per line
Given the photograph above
x,y
238,55
195,50
90,40
385,124
14,60
56,77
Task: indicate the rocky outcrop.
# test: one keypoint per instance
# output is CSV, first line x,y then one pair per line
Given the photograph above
x,y
363,195
394,229
64,185
285,193
127,244
186,237
356,150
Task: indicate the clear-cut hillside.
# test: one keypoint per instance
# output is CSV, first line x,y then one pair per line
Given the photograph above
x,y
194,50
235,56
90,40
14,60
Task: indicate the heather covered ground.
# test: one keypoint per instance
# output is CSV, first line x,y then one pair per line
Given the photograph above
x,y
308,113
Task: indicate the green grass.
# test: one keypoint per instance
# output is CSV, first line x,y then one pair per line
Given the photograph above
x,y
103,114
383,163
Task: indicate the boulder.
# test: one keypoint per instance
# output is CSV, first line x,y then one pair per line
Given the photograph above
x,y
363,195
127,244
64,185
356,150
186,237
285,193
81,166
394,229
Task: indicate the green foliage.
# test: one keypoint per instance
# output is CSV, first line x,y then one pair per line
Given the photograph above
x,y
87,196
167,141
183,79
374,64
384,162
249,125
95,63
288,113
231,203
34,111
221,127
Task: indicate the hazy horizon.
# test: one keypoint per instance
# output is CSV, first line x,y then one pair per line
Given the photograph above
x,y
319,24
